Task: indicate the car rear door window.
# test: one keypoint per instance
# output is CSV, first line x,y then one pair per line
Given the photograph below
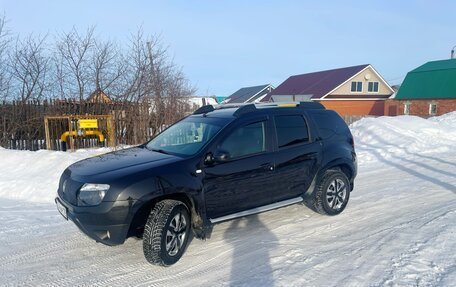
x,y
291,130
245,140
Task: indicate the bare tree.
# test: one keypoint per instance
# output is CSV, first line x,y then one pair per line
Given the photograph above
x,y
4,44
137,68
73,62
29,68
107,66
148,89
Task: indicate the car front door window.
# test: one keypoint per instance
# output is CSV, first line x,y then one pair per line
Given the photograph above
x,y
244,141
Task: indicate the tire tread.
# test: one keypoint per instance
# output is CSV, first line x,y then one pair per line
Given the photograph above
x,y
153,231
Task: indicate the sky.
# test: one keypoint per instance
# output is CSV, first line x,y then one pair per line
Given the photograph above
x,y
222,46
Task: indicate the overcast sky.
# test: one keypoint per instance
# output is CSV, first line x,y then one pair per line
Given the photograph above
x,y
224,46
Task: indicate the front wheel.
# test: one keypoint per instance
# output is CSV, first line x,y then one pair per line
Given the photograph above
x,y
166,233
332,193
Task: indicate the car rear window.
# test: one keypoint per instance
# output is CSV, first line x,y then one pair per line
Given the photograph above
x,y
329,123
291,130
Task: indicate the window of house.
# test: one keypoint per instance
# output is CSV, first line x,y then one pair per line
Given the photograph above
x,y
356,86
406,108
432,109
372,87
291,130
245,140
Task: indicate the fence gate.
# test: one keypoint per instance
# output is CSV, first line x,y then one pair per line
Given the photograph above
x,y
75,132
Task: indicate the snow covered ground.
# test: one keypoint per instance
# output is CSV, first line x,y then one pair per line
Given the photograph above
x,y
399,228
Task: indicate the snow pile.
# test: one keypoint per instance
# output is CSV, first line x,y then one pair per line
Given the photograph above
x,y
446,119
390,137
34,176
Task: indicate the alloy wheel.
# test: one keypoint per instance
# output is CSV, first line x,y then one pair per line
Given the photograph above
x,y
175,234
336,194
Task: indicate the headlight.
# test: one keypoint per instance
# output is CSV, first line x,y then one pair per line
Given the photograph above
x,y
92,194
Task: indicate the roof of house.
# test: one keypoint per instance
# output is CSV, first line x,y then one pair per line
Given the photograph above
x,y
317,84
433,80
248,94
220,98
98,96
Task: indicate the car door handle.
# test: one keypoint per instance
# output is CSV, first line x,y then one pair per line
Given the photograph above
x,y
267,166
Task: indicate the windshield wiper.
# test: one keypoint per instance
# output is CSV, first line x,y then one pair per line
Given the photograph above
x,y
159,150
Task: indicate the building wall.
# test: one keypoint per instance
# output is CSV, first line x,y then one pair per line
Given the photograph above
x,y
345,89
356,107
419,107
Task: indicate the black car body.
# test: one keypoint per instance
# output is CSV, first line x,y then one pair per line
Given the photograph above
x,y
263,171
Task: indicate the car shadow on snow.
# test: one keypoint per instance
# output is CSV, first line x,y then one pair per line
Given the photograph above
x,y
252,242
411,171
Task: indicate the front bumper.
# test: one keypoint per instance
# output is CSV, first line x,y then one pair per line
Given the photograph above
x,y
107,223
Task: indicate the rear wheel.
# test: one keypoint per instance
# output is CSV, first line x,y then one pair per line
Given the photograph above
x,y
166,233
332,193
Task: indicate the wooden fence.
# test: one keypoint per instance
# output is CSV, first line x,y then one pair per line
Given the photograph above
x,y
22,124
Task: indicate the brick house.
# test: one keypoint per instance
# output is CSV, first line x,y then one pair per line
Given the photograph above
x,y
429,90
351,91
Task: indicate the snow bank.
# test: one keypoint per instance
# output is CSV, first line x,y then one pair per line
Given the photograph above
x,y
402,135
34,176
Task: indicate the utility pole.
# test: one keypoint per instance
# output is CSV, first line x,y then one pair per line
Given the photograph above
x,y
452,52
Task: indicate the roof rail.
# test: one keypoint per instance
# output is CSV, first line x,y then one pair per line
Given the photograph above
x,y
244,109
204,109
311,105
302,104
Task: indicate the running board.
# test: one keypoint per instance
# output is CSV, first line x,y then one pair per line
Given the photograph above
x,y
258,209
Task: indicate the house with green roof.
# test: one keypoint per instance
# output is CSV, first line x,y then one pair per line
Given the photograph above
x,y
428,90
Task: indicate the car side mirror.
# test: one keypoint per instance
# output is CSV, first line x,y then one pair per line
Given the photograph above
x,y
221,156
209,159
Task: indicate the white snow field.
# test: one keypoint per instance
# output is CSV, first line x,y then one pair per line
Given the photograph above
x,y
399,228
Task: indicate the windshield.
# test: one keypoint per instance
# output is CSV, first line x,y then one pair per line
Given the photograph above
x,y
186,137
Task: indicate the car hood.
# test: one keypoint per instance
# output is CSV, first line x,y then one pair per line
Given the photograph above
x,y
119,160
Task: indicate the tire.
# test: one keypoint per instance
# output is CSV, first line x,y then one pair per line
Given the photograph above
x,y
166,233
332,193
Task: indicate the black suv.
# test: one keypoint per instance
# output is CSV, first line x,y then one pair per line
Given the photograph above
x,y
217,164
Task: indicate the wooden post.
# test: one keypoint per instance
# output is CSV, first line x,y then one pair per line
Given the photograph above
x,y
111,132
48,137
70,139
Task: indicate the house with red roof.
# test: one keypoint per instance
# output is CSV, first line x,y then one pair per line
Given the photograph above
x,y
358,90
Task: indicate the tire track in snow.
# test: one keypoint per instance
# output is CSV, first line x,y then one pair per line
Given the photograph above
x,y
382,226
